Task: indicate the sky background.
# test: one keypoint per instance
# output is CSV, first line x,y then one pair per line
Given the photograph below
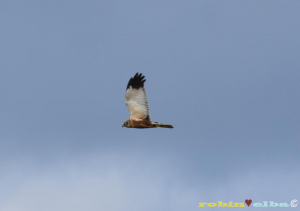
x,y
224,73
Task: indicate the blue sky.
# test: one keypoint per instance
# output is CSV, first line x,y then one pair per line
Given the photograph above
x,y
224,73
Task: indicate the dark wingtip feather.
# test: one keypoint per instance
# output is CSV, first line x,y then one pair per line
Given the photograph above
x,y
137,81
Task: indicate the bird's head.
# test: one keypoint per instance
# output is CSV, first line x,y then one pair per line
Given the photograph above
x,y
125,124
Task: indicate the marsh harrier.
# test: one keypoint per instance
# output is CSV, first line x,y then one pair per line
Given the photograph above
x,y
137,104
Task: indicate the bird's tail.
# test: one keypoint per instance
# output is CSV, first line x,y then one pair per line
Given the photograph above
x,y
163,125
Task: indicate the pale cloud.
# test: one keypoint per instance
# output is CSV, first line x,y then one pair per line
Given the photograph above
x,y
118,182
108,182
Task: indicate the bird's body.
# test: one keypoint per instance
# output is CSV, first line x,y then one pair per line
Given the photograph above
x,y
145,124
137,104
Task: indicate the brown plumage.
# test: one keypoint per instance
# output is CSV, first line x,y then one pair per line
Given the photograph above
x,y
137,104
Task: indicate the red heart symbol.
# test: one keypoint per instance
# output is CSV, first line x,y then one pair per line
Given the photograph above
x,y
248,202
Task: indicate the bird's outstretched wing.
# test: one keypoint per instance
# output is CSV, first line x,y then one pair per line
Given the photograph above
x,y
136,99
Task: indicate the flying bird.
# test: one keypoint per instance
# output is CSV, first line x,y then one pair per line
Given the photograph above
x,y
137,104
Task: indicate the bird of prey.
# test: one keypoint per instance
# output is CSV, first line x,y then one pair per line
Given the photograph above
x,y
137,104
